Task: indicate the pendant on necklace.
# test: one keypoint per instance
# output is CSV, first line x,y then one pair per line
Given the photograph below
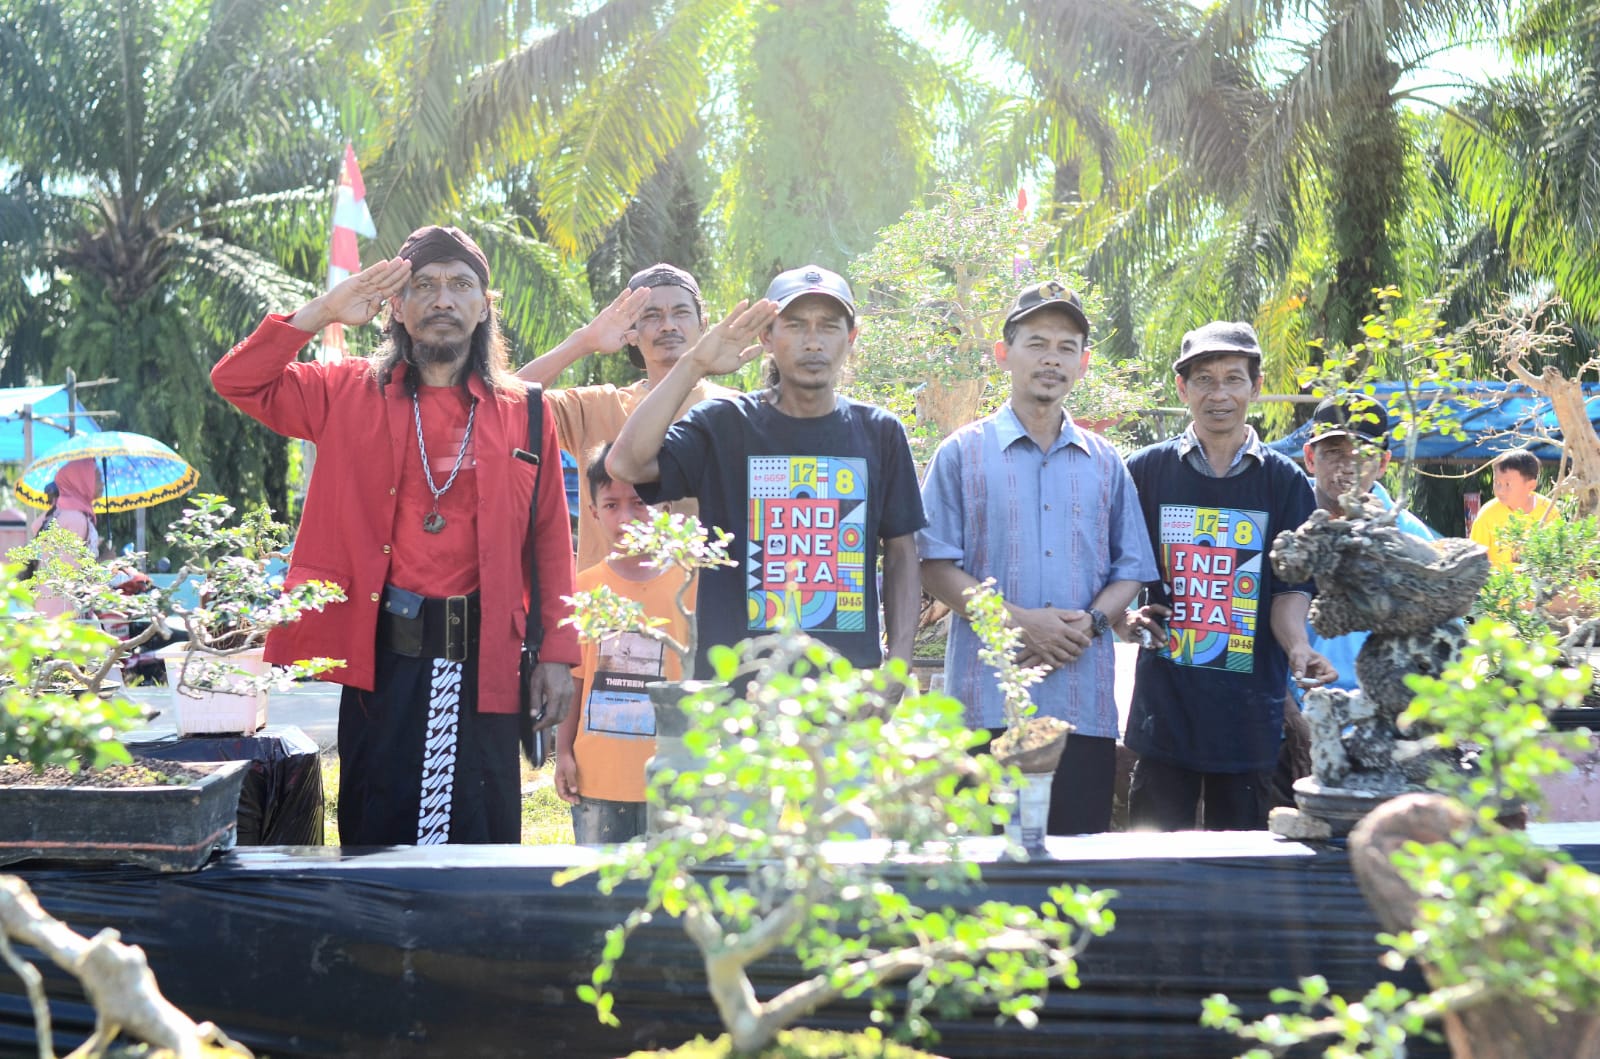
x,y
434,522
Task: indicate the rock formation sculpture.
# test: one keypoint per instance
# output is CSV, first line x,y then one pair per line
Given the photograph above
x,y
1410,595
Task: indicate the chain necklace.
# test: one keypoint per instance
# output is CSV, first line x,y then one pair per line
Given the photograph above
x,y
434,522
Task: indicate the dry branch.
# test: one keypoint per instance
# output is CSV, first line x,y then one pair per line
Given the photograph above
x,y
1520,339
116,978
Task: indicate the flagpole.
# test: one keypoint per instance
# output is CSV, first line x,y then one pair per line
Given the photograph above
x,y
351,218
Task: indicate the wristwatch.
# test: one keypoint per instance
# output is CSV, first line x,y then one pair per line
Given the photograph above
x,y
1099,624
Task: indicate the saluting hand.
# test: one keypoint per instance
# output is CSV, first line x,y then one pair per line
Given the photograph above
x,y
726,347
613,327
357,299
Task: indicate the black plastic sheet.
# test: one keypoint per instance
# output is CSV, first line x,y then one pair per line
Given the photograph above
x,y
471,951
281,802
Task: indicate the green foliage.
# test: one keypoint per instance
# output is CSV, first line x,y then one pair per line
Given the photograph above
x,y
165,187
796,1044
1410,346
1498,915
807,753
238,598
42,726
671,541
936,287
1554,584
820,159
1001,643
1521,150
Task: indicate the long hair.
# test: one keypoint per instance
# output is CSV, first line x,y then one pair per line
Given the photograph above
x,y
488,355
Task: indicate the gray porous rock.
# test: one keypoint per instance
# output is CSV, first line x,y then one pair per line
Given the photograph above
x,y
1373,576
1410,594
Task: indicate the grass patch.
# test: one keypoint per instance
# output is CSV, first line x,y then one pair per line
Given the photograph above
x,y
546,819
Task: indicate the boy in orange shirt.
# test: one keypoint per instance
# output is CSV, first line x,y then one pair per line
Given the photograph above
x,y
607,737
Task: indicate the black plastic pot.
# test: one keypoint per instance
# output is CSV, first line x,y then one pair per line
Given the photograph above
x,y
163,828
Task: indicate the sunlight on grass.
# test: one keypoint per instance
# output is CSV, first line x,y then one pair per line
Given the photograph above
x,y
546,819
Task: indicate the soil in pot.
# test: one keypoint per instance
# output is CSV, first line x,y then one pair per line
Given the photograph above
x,y
171,826
1035,746
138,773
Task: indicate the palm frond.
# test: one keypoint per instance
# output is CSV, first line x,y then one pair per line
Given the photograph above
x,y
617,132
227,288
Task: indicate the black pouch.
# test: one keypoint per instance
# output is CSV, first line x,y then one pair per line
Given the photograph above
x,y
400,621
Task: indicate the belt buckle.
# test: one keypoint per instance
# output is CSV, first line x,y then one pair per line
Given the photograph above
x,y
457,628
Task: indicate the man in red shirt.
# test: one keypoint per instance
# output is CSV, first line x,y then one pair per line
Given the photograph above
x,y
419,511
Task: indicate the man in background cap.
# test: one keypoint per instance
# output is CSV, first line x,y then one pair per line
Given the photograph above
x,y
1048,510
419,511
1207,713
1347,454
658,316
810,484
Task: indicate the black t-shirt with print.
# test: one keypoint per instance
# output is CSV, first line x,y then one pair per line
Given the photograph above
x,y
807,502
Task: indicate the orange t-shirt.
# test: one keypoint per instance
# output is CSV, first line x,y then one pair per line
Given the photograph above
x,y
617,725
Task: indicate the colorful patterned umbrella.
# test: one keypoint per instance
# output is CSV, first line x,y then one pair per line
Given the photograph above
x,y
137,471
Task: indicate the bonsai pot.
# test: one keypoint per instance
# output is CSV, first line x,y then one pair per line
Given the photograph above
x,y
216,711
667,697
165,828
1035,748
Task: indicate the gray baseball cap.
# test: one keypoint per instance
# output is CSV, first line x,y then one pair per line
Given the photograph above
x,y
811,279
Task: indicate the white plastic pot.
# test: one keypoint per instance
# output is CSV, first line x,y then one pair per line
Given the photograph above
x,y
219,711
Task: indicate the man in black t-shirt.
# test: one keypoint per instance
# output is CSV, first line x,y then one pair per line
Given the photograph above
x,y
814,487
1224,634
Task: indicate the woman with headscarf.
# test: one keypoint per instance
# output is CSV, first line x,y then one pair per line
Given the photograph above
x,y
77,484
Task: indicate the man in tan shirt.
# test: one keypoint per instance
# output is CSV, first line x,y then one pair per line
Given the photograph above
x,y
657,318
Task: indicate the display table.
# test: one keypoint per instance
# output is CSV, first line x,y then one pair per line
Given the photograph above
x,y
281,802
455,951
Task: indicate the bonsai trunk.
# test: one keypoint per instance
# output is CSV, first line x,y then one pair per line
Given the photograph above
x,y
1496,1027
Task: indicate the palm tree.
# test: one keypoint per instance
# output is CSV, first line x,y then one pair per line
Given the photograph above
x,y
164,185
1525,151
829,136
1257,139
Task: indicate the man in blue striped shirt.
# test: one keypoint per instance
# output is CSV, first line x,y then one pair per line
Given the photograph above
x,y
1048,510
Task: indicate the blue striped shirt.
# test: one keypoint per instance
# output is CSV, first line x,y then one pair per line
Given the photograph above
x,y
1052,528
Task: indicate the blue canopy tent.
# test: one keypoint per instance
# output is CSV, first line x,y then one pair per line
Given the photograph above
x,y
1494,416
50,410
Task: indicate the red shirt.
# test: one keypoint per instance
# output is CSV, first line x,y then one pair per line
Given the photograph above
x,y
443,563
346,533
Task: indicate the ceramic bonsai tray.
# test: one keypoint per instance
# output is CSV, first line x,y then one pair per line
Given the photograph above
x,y
162,828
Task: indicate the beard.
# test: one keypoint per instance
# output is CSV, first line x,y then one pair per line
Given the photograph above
x,y
438,352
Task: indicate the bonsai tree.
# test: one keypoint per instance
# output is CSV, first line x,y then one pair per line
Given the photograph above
x,y
798,742
671,541
239,598
1505,929
63,566
43,726
937,285
46,722
1553,587
1527,342
1411,345
1031,743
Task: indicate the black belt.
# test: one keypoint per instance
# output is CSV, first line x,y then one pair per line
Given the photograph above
x,y
419,626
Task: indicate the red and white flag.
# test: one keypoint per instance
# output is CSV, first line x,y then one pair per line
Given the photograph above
x,y
350,218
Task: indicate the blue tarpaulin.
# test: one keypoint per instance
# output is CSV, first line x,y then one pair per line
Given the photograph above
x,y
49,409
1494,416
